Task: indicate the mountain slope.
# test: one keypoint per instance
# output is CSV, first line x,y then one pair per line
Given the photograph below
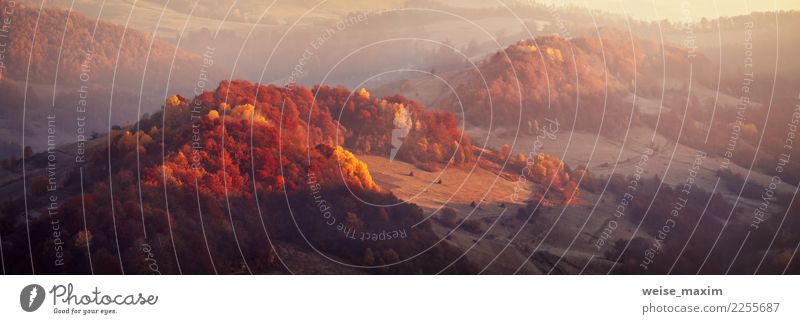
x,y
583,79
80,70
207,185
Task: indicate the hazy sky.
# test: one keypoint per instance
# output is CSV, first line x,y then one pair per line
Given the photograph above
x,y
675,9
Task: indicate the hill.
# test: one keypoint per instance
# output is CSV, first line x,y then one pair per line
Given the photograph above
x,y
207,185
63,64
583,79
